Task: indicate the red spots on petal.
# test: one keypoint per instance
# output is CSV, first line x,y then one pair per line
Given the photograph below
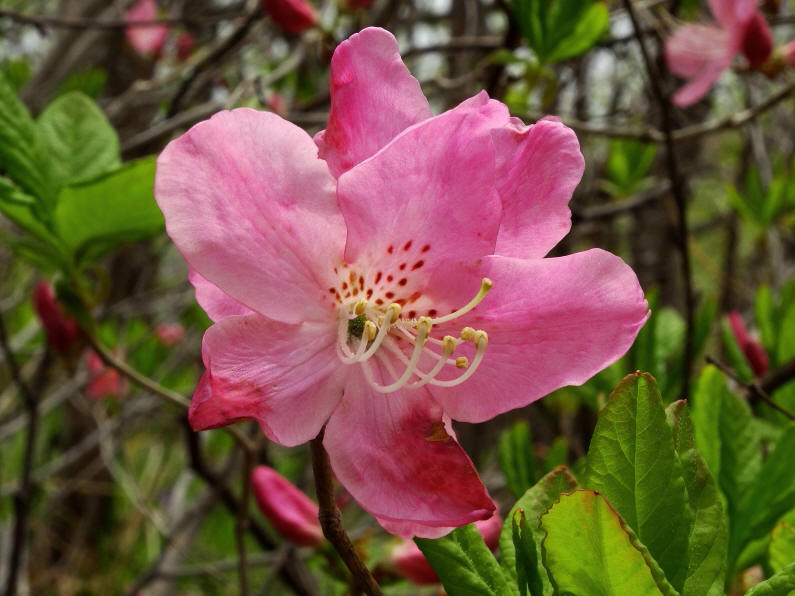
x,y
331,290
401,302
378,301
389,278
345,285
355,291
403,282
361,282
417,265
426,248
402,266
412,314
391,249
335,270
369,293
414,297
378,277
390,295
432,312
352,278
407,245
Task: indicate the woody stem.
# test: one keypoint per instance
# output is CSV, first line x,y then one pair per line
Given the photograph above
x,y
331,521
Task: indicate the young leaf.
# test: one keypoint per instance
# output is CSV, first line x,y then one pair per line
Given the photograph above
x,y
515,451
708,538
589,549
781,551
534,503
79,138
780,584
527,562
465,565
633,463
121,207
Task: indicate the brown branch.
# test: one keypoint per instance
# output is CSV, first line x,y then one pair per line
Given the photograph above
x,y
60,22
610,210
761,389
331,521
24,495
680,199
241,527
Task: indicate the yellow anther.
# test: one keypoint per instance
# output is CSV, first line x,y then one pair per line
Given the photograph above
x,y
486,284
393,310
424,323
448,345
461,362
481,339
370,330
467,333
360,307
380,320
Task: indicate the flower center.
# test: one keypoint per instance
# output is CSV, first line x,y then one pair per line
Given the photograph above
x,y
368,329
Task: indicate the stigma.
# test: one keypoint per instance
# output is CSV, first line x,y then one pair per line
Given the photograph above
x,y
368,330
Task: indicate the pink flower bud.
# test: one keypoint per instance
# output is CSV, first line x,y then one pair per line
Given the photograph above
x,y
757,41
294,16
170,334
102,381
754,351
290,511
146,40
62,332
186,42
789,54
409,562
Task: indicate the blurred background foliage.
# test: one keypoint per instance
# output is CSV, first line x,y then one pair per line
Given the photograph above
x,y
122,497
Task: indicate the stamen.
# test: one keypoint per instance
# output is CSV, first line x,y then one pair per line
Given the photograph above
x,y
448,347
423,329
360,307
461,362
481,340
485,285
392,314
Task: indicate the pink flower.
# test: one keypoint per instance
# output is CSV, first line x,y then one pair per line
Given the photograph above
x,y
145,40
294,16
753,350
63,333
328,266
789,54
102,381
701,53
288,509
170,334
409,562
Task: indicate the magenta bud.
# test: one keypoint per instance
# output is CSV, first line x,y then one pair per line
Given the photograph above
x,y
62,331
408,561
102,381
757,41
170,334
294,16
286,507
753,350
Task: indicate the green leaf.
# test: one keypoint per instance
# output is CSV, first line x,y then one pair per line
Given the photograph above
x,y
465,565
90,81
764,313
558,454
590,550
96,216
770,497
527,561
735,354
708,538
515,452
781,584
781,551
80,139
633,463
534,503
589,28
22,153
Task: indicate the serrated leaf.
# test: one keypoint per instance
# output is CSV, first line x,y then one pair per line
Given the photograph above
x,y
465,565
121,206
708,537
781,584
589,549
517,461
781,551
633,463
22,153
534,503
81,141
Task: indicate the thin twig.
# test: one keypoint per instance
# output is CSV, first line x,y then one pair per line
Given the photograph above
x,y
241,527
331,521
24,495
61,22
756,390
680,199
610,210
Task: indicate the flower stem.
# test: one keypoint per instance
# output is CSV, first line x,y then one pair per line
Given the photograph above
x,y
331,522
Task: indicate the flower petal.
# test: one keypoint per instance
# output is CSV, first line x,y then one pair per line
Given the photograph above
x,y
394,455
692,47
538,169
285,376
730,12
700,85
550,323
429,194
252,209
213,300
373,98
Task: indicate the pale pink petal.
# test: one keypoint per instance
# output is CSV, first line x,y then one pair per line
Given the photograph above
x,y
393,454
701,84
729,12
550,323
215,302
252,209
285,376
427,196
692,47
541,166
373,98
145,40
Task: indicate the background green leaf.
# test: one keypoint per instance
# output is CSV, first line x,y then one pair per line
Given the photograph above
x,y
781,551
517,461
